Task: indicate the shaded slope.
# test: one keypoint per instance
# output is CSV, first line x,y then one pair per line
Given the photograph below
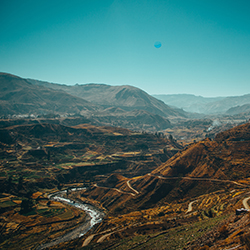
x,y
126,97
18,96
190,103
239,109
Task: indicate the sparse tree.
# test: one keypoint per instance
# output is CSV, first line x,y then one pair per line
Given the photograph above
x,y
59,186
26,206
170,137
9,183
67,192
20,182
10,179
48,155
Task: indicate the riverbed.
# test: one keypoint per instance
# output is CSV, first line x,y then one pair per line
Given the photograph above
x,y
93,216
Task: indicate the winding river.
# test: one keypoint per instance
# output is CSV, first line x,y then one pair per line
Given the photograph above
x,y
93,217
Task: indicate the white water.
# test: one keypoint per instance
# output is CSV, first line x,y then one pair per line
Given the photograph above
x,y
95,215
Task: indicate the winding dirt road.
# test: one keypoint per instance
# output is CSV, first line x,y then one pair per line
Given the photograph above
x,y
245,204
101,239
107,233
116,189
198,179
190,208
88,240
131,187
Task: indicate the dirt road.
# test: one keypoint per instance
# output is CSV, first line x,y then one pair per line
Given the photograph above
x,y
116,189
190,208
245,204
131,187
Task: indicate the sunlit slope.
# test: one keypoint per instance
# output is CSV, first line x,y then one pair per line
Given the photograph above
x,y
226,157
202,167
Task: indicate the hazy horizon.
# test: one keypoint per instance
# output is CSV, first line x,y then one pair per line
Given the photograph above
x,y
125,85
162,47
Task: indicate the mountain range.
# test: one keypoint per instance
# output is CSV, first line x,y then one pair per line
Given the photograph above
x,y
124,106
155,191
129,98
205,105
124,97
102,104
245,109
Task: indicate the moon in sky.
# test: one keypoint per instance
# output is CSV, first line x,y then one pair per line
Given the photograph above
x,y
157,45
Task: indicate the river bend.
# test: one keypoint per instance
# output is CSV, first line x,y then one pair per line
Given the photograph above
x,y
93,217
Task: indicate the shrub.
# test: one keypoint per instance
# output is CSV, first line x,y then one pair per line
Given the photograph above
x,y
223,230
161,213
204,247
26,206
245,239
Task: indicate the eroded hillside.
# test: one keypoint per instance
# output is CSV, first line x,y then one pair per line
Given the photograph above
x,y
39,159
153,192
197,190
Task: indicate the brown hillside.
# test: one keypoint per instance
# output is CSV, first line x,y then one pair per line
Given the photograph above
x,y
18,96
139,111
202,167
239,133
125,97
227,157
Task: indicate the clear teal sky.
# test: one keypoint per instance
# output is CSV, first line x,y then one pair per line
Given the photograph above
x,y
205,43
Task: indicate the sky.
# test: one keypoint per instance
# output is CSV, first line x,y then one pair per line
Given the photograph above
x,y
205,44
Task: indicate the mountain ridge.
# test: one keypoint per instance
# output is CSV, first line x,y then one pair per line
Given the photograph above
x,y
240,109
19,96
206,105
125,97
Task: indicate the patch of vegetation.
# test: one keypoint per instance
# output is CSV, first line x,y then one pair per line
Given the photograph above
x,y
174,238
27,207
50,212
8,203
67,215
